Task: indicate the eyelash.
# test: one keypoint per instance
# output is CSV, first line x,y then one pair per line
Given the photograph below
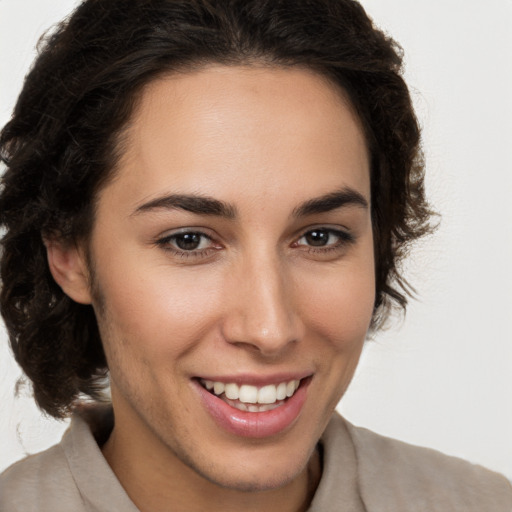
x,y
168,243
344,239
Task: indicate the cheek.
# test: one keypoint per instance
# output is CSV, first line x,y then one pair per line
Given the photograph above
x,y
156,312
341,309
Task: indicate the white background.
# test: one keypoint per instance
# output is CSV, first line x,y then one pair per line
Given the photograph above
x,y
443,378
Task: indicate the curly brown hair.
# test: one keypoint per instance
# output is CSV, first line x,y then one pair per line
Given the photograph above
x,y
62,144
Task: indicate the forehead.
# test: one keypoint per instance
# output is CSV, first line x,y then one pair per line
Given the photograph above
x,y
222,130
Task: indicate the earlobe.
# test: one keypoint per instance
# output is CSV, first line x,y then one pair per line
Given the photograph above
x,y
69,269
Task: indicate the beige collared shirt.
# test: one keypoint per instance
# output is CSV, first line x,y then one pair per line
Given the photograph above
x,y
362,472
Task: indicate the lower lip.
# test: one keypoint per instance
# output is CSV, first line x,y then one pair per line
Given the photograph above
x,y
255,424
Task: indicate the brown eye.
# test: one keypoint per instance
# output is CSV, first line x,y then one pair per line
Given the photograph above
x,y
317,237
188,241
325,239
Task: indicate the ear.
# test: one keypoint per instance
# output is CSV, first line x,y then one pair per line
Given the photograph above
x,y
68,266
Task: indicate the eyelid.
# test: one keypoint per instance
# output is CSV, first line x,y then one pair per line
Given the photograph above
x,y
165,235
164,242
336,229
345,238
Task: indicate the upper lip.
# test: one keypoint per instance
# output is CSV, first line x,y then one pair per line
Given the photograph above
x,y
257,380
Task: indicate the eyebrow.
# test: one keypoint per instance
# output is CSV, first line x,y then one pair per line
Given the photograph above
x,y
201,205
331,201
204,205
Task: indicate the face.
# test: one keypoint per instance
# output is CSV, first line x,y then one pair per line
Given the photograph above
x,y
233,271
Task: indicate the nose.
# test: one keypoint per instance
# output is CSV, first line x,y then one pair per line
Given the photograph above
x,y
262,314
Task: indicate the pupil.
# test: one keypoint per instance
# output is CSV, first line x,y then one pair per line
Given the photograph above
x,y
317,237
188,241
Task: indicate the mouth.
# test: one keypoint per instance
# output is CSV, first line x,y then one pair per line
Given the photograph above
x,y
254,408
249,398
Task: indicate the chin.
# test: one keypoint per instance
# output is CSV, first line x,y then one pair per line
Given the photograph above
x,y
247,481
251,473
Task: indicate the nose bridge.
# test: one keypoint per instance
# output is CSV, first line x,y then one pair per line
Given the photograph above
x,y
263,314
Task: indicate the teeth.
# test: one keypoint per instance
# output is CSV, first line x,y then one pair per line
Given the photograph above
x,y
247,394
291,387
242,406
267,394
218,388
252,407
281,391
232,391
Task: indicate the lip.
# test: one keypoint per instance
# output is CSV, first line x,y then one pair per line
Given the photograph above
x,y
254,424
257,380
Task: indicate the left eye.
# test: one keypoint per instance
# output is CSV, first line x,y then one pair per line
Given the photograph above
x,y
189,241
322,237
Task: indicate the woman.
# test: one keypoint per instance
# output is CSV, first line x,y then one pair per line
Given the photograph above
x,y
210,199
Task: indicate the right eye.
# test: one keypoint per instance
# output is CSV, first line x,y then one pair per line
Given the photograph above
x,y
188,244
189,241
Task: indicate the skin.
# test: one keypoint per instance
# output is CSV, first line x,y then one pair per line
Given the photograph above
x,y
256,298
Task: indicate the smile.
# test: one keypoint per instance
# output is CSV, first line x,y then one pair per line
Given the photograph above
x,y
248,398
251,410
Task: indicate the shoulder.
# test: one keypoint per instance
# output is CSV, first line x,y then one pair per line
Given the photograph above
x,y
71,476
44,477
405,474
